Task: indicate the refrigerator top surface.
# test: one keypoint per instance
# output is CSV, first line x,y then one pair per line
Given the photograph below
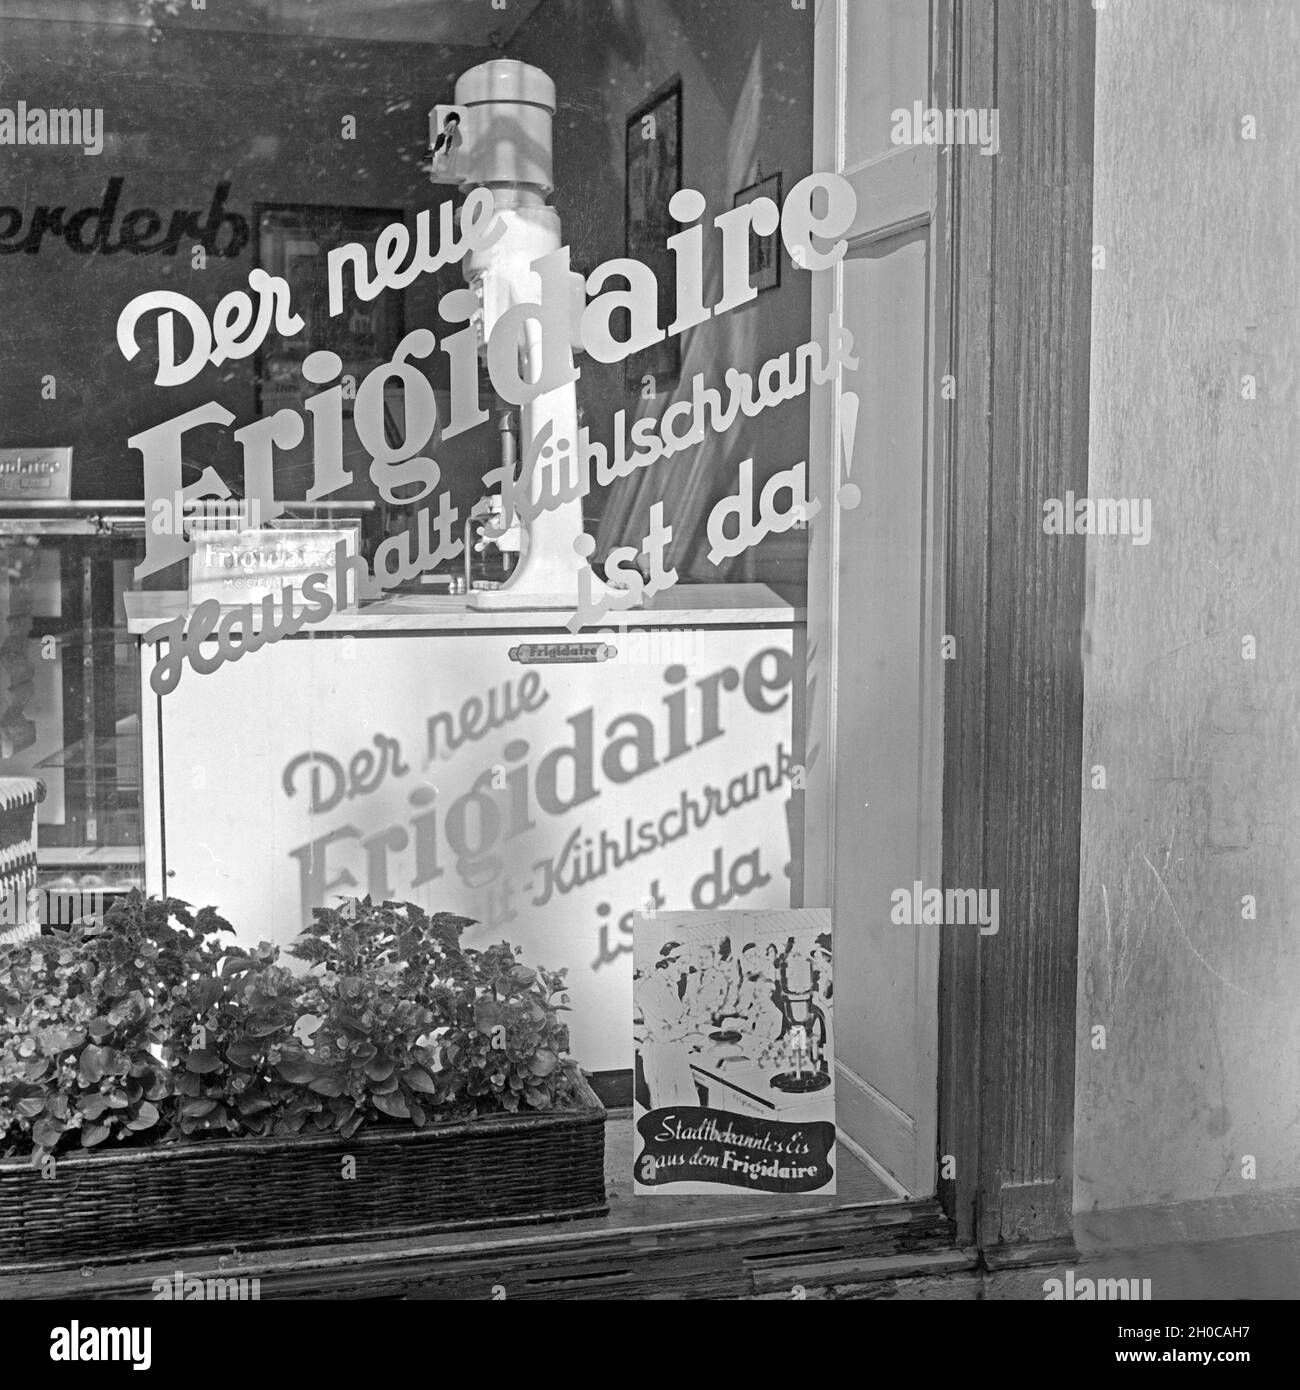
x,y
684,605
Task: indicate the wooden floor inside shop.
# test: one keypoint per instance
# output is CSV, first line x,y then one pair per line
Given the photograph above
x,y
704,1246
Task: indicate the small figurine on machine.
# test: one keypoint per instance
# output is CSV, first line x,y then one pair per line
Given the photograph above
x,y
805,1023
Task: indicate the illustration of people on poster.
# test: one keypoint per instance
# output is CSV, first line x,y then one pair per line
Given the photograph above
x,y
735,1063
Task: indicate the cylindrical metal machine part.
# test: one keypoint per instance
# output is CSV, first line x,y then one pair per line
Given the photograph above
x,y
509,107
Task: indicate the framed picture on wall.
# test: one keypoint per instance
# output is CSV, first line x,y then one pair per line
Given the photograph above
x,y
764,251
293,241
653,152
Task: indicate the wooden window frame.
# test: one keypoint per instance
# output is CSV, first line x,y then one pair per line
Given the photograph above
x,y
1017,242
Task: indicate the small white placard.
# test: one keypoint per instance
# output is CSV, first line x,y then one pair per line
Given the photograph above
x,y
239,567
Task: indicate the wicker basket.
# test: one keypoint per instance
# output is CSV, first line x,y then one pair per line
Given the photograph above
x,y
225,1194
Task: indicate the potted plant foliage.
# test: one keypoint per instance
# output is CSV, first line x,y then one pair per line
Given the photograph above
x,y
163,1090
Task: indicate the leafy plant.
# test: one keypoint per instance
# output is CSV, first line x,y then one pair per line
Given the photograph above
x,y
85,1016
145,1026
226,1045
411,1021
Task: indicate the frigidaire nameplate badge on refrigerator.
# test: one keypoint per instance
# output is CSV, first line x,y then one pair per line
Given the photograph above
x,y
36,474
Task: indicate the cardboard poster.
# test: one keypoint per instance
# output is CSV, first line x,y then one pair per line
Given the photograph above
x,y
735,1062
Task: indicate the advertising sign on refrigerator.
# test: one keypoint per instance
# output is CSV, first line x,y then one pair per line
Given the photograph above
x,y
545,791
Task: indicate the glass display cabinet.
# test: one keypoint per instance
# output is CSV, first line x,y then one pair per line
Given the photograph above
x,y
70,686
70,677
